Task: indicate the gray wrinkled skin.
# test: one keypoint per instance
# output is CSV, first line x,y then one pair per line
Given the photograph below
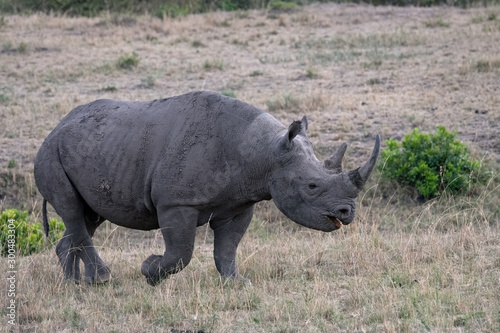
x,y
178,163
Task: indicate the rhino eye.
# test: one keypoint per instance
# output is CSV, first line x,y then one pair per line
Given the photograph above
x,y
312,186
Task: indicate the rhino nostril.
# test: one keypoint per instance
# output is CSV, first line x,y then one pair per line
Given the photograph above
x,y
344,211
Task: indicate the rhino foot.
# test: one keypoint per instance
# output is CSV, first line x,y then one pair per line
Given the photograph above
x,y
157,268
69,259
151,269
238,279
102,275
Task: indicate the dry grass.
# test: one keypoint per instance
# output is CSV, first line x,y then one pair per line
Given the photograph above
x,y
441,276
355,71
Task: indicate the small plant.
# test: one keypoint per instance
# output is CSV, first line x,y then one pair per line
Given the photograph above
x,y
28,236
197,43
22,47
7,46
128,61
12,164
256,73
148,81
438,23
228,93
109,89
373,64
312,73
214,64
477,19
373,81
4,99
484,66
431,163
286,102
226,23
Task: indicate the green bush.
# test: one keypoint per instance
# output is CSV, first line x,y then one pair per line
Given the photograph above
x,y
184,7
28,236
431,163
128,61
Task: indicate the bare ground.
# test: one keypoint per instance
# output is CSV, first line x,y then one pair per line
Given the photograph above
x,y
355,71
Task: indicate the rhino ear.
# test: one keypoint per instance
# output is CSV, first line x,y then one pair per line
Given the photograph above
x,y
296,128
305,123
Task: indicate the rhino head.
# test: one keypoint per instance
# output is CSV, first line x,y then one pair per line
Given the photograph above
x,y
317,195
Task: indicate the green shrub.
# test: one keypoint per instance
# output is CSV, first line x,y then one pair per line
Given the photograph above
x,y
183,7
431,163
228,93
282,5
171,10
28,236
128,61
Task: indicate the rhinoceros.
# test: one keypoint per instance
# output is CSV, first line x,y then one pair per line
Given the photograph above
x,y
178,163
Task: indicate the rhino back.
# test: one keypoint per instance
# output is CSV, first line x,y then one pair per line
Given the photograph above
x,y
127,158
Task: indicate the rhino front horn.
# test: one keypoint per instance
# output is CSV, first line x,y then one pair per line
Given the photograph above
x,y
334,163
360,176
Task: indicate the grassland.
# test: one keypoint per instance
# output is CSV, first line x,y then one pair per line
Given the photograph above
x,y
354,70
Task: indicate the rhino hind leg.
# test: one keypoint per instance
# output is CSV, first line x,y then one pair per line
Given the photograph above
x,y
227,236
68,258
178,227
76,243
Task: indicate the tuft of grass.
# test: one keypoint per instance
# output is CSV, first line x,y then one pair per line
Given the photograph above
x,y
109,88
485,66
22,47
376,63
213,64
285,102
228,93
197,44
148,81
312,73
4,99
436,23
256,73
477,20
374,81
128,61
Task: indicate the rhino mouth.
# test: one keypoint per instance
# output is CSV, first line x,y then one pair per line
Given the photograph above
x,y
335,221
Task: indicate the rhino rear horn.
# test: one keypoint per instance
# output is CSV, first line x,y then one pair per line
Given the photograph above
x,y
360,176
334,163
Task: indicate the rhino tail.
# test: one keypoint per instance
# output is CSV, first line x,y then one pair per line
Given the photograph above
x,y
45,220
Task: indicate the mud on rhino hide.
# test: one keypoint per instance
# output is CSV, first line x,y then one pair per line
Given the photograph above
x,y
178,163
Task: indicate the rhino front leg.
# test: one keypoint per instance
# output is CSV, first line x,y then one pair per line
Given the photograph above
x,y
227,236
178,227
